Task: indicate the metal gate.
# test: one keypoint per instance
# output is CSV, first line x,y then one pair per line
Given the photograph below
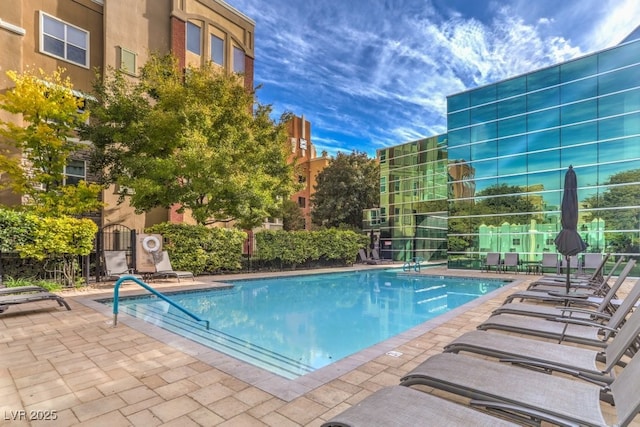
x,y
115,237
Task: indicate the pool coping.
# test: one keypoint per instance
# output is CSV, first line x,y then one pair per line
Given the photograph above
x,y
283,388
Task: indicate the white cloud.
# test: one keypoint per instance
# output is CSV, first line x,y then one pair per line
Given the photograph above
x,y
378,73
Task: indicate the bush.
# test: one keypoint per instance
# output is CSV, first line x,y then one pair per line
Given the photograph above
x,y
301,247
200,249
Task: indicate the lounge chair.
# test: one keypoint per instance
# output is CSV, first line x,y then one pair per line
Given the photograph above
x,y
492,260
116,265
511,260
404,406
595,262
165,270
21,289
580,362
363,256
558,293
594,279
528,396
549,261
603,305
24,297
588,332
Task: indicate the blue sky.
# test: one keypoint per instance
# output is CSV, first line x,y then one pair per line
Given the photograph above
x,y
369,74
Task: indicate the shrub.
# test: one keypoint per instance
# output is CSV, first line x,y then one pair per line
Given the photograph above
x,y
200,249
300,247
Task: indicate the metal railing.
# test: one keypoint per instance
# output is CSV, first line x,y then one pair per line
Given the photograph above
x,y
116,293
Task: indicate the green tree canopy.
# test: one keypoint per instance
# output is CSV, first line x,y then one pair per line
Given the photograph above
x,y
621,190
349,184
43,144
198,139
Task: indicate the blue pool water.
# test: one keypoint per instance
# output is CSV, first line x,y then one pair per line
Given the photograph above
x,y
294,325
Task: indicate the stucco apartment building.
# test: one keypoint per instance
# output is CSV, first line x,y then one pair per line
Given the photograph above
x,y
308,164
84,35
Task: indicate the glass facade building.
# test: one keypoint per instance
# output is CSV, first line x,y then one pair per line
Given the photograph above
x,y
412,218
508,146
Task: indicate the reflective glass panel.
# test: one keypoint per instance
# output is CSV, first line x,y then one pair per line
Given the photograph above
x,y
512,106
619,103
459,119
512,145
543,99
485,168
543,160
484,150
460,136
611,151
512,87
482,95
483,131
512,126
615,81
607,171
579,112
483,113
619,57
616,127
549,180
512,165
543,119
579,68
579,90
458,102
543,78
578,134
578,156
542,140
461,152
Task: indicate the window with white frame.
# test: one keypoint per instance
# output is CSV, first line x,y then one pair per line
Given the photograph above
x,y
63,40
74,172
217,50
127,61
238,60
193,38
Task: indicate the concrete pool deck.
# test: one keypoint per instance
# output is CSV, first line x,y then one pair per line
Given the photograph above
x,y
75,366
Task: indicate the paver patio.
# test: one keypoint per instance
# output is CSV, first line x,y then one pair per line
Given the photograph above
x,y
77,364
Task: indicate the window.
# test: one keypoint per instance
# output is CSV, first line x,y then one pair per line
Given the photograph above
x,y
74,172
302,202
302,179
193,38
217,50
64,41
127,61
238,60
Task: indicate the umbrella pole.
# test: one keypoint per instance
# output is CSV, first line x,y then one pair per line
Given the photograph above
x,y
568,274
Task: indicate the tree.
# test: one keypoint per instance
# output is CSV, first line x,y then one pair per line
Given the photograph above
x,y
292,218
196,138
41,148
349,184
621,190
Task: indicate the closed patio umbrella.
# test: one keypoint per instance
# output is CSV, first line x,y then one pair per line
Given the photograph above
x,y
568,241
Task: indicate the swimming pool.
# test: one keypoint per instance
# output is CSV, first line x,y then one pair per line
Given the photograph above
x,y
295,325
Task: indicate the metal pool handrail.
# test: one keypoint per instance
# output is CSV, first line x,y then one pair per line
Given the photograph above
x,y
116,292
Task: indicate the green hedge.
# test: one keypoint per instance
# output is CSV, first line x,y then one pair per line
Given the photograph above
x,y
302,247
201,249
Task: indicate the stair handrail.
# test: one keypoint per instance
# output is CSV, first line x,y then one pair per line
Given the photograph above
x,y
116,293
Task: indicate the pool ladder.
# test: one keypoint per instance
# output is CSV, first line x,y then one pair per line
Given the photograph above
x,y
116,292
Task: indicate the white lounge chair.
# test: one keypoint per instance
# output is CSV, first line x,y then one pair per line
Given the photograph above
x,y
164,268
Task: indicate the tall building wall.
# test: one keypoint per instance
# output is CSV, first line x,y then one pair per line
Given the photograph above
x,y
412,219
513,142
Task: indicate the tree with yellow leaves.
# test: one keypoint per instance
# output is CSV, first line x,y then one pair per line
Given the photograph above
x,y
38,143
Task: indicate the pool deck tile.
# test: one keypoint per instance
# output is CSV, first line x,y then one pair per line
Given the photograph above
x,y
91,373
